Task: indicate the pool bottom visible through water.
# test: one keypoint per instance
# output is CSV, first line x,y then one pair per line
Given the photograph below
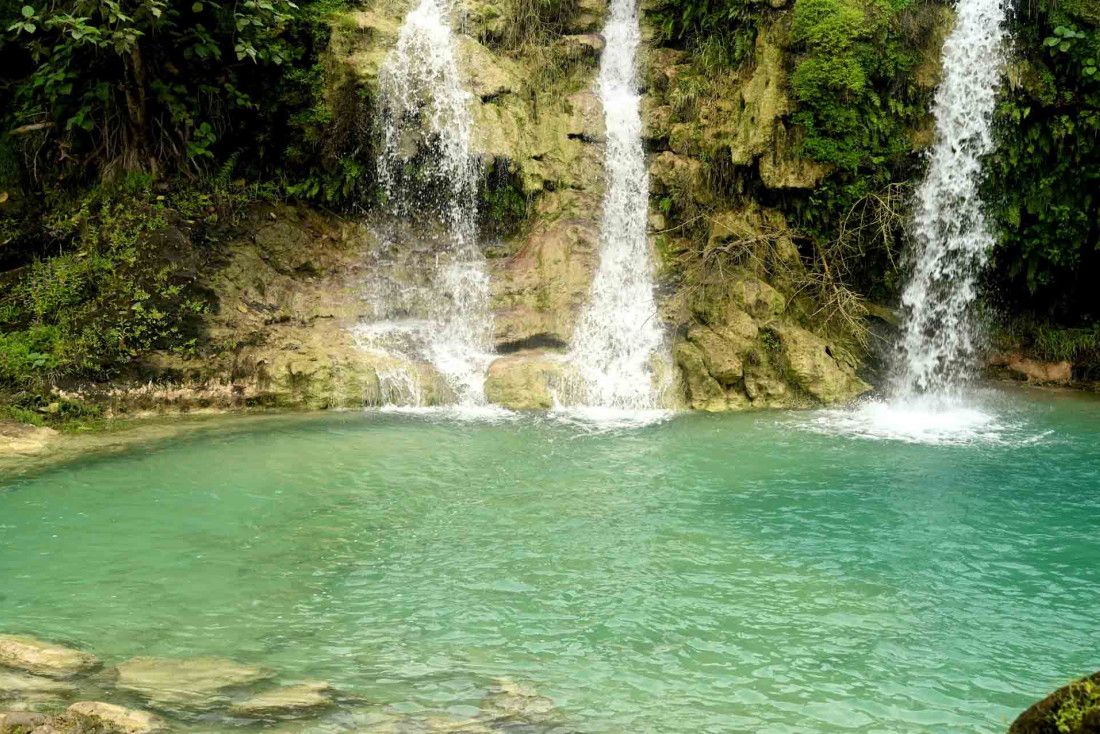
x,y
775,572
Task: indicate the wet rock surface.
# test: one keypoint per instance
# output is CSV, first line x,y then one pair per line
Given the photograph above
x,y
119,718
44,658
1018,367
512,702
214,694
300,700
524,381
24,439
189,682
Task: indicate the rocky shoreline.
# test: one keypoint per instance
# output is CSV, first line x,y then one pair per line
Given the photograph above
x,y
50,688
43,686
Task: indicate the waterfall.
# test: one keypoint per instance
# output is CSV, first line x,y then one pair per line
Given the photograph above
x,y
951,240
618,335
426,128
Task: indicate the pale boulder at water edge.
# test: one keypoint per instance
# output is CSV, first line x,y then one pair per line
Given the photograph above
x,y
44,658
119,718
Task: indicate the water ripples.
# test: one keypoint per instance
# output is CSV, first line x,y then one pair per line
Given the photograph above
x,y
698,574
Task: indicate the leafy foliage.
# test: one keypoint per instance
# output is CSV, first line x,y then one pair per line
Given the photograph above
x,y
1082,699
102,87
124,283
855,83
722,32
130,83
1043,183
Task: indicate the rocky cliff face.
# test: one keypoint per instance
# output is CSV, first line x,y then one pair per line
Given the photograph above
x,y
721,148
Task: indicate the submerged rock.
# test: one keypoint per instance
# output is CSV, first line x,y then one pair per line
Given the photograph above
x,y
446,725
170,682
118,718
287,702
11,721
509,701
21,438
15,684
44,658
1072,709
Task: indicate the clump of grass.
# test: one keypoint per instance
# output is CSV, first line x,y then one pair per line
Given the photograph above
x,y
1040,339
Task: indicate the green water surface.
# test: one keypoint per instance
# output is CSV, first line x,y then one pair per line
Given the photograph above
x,y
707,574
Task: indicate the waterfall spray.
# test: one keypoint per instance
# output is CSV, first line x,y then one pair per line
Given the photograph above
x,y
619,333
950,245
951,240
426,124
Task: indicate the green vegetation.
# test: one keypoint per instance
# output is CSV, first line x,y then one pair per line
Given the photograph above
x,y
722,33
133,133
134,130
123,278
1044,181
99,88
1082,700
861,105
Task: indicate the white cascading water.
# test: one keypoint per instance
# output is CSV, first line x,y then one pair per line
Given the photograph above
x,y
951,242
950,237
425,111
619,334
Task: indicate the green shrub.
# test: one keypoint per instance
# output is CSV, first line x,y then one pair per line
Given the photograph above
x,y
30,354
122,284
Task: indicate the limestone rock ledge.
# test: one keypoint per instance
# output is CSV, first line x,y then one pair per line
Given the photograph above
x,y
741,353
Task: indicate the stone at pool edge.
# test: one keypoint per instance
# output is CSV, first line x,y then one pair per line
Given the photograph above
x,y
294,701
44,658
23,439
19,683
185,681
511,701
119,718
1040,718
21,719
26,692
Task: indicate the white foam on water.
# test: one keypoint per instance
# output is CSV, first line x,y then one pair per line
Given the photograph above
x,y
927,419
457,412
601,419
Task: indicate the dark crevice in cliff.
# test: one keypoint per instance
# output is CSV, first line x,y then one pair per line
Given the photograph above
x,y
537,341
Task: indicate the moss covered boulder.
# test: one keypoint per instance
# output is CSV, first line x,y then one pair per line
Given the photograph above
x,y
1072,709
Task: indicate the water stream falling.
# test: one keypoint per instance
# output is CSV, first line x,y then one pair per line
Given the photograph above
x,y
619,334
950,237
426,129
950,244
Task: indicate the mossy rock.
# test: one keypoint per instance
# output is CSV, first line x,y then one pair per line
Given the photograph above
x,y
1072,709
